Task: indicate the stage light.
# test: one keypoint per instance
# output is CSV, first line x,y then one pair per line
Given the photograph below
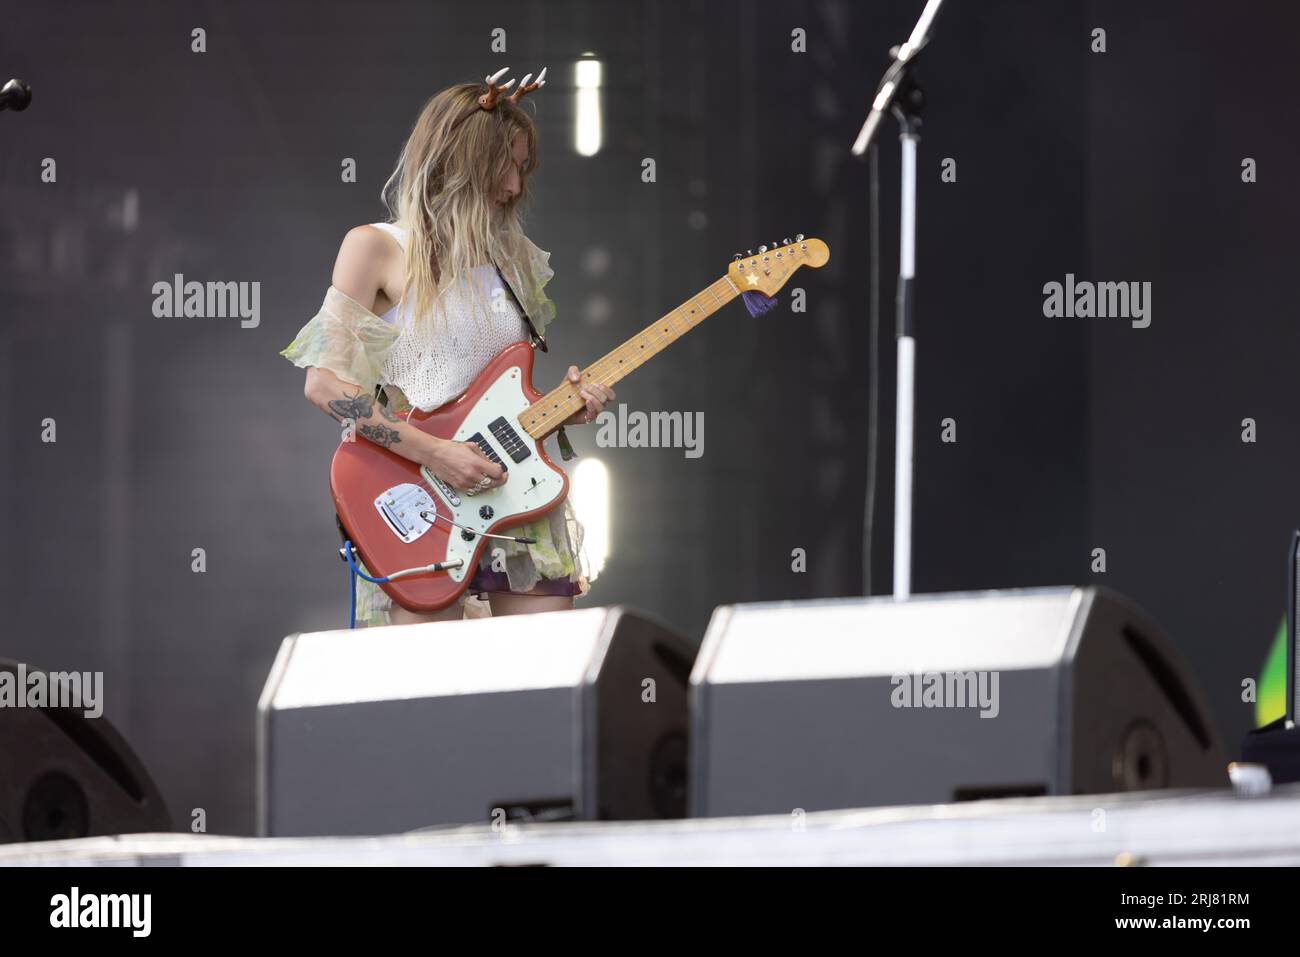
x,y
586,115
590,494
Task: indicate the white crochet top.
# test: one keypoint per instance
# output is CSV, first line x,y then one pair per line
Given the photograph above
x,y
434,361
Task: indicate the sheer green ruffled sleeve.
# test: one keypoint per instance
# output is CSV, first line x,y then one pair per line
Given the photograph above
x,y
346,338
528,270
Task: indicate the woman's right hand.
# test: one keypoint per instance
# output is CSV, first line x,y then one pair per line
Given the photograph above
x,y
463,465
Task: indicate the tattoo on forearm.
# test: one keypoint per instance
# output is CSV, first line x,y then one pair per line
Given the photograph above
x,y
355,407
358,407
380,435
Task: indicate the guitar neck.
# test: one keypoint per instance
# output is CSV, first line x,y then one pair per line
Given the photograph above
x,y
548,413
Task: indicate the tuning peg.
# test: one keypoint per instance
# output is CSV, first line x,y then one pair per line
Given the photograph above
x,y
762,249
749,252
798,237
786,241
775,244
735,257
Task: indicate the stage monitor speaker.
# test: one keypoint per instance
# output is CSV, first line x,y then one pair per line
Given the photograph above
x,y
64,775
1292,713
1276,745
862,702
568,715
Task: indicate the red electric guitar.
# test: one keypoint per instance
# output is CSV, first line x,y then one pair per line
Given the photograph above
x,y
406,524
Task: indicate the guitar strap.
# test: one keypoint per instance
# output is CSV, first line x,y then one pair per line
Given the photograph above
x,y
538,340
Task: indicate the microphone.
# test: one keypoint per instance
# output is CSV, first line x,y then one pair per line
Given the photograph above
x,y
893,80
15,95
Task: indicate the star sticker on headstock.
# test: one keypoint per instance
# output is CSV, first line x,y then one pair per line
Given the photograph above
x,y
752,278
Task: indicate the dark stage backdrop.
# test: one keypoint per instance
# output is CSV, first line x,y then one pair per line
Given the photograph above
x,y
1072,434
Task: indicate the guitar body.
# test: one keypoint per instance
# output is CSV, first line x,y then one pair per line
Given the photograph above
x,y
385,502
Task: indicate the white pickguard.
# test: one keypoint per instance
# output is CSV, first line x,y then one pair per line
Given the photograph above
x,y
530,484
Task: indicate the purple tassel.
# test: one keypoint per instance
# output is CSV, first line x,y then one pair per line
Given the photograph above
x,y
757,303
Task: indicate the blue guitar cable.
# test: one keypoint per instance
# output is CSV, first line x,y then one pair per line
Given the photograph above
x,y
353,573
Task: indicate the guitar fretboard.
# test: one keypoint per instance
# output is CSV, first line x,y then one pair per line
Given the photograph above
x,y
548,413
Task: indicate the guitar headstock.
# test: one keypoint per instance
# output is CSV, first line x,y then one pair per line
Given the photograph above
x,y
766,269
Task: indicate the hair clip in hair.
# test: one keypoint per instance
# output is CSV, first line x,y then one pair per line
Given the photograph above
x,y
525,87
488,101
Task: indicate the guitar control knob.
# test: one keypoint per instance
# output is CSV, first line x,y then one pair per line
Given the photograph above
x,y
467,535
485,512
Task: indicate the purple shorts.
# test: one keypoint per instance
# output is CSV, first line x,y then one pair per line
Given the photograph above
x,y
486,579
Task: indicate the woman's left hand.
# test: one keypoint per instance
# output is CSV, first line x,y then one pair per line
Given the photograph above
x,y
595,394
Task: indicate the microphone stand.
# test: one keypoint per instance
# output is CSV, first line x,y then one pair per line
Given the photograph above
x,y
899,94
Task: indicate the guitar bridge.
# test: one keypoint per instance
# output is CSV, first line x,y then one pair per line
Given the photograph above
x,y
402,507
447,491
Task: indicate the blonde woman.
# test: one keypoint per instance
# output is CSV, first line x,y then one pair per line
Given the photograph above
x,y
417,308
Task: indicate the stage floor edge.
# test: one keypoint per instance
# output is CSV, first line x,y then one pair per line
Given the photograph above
x,y
1156,828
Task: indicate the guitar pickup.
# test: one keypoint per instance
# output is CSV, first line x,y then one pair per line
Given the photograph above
x,y
486,446
515,446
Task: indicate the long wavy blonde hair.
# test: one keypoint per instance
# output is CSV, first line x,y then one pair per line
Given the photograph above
x,y
442,191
